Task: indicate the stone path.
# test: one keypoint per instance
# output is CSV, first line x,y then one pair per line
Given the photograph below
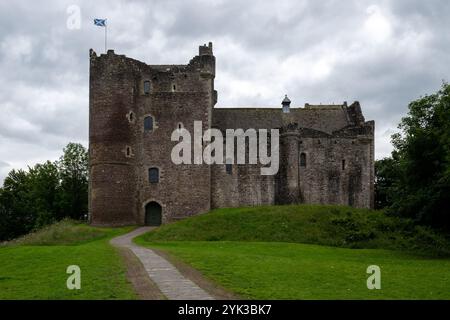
x,y
169,280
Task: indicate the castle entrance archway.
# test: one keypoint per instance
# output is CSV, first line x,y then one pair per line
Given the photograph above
x,y
153,214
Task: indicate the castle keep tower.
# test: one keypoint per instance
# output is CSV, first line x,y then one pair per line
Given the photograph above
x,y
133,110
326,151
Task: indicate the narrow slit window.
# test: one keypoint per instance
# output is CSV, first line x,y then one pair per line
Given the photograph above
x,y
302,160
148,123
146,87
153,175
128,151
229,168
343,164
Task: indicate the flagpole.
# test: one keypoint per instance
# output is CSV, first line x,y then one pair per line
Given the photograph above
x,y
106,36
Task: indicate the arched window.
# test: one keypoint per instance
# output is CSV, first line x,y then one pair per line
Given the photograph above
x,y
302,159
229,166
146,87
148,123
153,175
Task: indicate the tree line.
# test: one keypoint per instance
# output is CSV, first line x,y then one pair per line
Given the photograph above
x,y
414,181
45,193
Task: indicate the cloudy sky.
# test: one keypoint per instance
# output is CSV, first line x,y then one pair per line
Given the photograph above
x,y
381,53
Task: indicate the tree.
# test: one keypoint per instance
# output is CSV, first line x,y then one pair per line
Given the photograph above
x,y
417,176
16,211
386,175
44,193
44,189
73,170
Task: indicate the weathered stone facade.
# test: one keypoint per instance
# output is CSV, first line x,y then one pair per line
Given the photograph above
x,y
326,152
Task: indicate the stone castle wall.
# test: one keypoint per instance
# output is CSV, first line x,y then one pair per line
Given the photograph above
x,y
122,151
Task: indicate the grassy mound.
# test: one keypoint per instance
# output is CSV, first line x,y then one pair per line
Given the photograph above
x,y
336,226
64,232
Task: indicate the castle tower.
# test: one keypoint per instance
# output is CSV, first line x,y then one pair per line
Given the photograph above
x,y
134,109
288,187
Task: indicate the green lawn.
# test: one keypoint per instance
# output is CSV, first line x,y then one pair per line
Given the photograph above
x,y
31,270
271,252
263,270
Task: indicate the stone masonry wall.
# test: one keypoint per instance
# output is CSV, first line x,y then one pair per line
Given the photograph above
x,y
335,140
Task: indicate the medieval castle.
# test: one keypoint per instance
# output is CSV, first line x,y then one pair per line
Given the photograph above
x,y
326,151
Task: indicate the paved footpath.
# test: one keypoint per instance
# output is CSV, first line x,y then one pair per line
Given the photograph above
x,y
169,280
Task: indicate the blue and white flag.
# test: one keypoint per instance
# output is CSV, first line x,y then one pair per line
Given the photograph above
x,y
100,22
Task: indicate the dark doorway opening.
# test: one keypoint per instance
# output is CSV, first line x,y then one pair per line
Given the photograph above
x,y
153,214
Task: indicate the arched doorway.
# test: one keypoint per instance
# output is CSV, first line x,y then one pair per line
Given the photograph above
x,y
153,214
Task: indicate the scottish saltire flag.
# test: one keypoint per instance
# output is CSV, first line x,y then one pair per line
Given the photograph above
x,y
100,22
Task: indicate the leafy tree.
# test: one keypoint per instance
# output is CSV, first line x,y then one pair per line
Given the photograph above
x,y
44,193
417,176
73,169
386,175
16,211
44,189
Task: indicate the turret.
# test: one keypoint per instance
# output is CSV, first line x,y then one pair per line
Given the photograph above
x,y
286,103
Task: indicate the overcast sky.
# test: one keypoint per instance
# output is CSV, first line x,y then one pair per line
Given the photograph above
x,y
381,53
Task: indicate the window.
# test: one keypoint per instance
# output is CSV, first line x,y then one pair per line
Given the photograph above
x,y
174,88
153,175
229,168
128,151
148,123
302,160
146,87
343,164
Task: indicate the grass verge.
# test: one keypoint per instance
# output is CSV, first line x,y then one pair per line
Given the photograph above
x,y
34,267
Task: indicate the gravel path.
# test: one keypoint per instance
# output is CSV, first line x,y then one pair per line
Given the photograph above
x,y
168,279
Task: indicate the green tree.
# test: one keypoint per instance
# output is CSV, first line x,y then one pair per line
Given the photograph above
x,y
386,175
417,176
73,170
16,210
44,189
44,193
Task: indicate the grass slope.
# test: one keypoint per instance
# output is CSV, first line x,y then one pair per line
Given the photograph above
x,y
270,252
338,226
34,267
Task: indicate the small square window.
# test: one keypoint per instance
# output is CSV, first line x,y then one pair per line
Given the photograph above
x,y
146,87
153,175
302,160
148,123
